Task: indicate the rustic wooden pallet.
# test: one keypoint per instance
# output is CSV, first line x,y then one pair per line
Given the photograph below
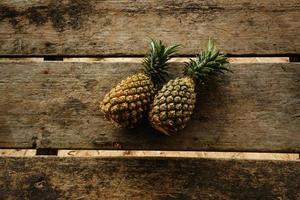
x,y
242,143
72,78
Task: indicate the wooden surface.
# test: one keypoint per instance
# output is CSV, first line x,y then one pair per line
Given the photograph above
x,y
19,152
147,178
140,153
174,59
95,27
54,105
184,154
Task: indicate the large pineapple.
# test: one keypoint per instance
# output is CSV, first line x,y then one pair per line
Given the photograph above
x,y
174,104
126,103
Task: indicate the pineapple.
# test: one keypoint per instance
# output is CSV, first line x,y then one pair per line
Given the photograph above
x,y
173,105
126,104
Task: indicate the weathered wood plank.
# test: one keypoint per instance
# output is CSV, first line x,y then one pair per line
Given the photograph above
x,y
97,27
55,105
147,178
184,154
22,152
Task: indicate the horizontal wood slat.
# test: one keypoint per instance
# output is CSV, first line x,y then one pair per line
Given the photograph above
x,y
95,27
55,105
184,154
147,178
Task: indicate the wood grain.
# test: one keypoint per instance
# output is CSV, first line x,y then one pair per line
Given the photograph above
x,y
147,178
184,154
17,152
97,27
55,105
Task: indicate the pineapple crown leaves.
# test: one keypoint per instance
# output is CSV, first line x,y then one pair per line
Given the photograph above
x,y
155,63
207,64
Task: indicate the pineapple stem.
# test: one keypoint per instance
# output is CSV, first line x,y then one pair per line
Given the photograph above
x,y
155,63
209,63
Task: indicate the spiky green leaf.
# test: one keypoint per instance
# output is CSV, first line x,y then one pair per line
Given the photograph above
x,y
155,63
207,64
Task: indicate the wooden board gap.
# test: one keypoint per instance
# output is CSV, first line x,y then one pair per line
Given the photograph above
x,y
294,59
53,58
47,152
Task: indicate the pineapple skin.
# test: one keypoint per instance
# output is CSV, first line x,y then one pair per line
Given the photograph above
x,y
173,105
126,104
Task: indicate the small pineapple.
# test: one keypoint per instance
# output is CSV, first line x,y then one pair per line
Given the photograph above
x,y
126,104
174,104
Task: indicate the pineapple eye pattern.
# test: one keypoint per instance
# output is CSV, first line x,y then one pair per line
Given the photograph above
x,y
173,105
126,104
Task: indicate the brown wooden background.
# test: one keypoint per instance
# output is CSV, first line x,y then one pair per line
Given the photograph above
x,y
94,27
50,105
